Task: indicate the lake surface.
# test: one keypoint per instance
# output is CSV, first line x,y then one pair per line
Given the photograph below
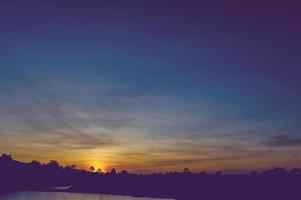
x,y
66,196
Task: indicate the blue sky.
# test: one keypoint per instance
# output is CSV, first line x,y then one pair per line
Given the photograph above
x,y
151,86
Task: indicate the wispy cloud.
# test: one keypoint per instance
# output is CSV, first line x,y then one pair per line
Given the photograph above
x,y
81,141
283,141
43,103
59,142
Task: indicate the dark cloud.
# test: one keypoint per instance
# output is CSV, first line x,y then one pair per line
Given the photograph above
x,y
283,141
175,162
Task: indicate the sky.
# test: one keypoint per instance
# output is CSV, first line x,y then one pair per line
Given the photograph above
x,y
151,86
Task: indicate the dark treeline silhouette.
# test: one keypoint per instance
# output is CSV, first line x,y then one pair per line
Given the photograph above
x,y
277,183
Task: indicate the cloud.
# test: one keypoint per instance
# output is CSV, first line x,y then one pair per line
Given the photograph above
x,y
193,160
81,141
283,141
41,102
60,141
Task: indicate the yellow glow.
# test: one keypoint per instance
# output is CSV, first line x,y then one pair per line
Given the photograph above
x,y
97,165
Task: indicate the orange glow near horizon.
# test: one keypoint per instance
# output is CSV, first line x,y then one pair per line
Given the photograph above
x,y
97,165
205,154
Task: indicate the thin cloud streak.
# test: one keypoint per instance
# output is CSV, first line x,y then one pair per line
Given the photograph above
x,y
283,141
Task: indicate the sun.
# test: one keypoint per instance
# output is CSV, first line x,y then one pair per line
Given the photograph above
x,y
97,165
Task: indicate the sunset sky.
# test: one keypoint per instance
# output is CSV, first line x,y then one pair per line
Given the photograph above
x,y
151,85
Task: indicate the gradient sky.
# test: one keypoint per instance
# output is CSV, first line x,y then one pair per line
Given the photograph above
x,y
151,85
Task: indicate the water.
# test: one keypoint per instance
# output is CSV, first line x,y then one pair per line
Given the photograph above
x,y
66,196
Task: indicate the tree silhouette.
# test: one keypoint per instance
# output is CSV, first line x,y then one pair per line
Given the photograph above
x,y
92,169
113,171
296,171
6,157
73,166
276,184
124,173
186,170
54,164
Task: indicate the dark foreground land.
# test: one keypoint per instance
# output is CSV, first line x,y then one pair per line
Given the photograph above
x,y
272,184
